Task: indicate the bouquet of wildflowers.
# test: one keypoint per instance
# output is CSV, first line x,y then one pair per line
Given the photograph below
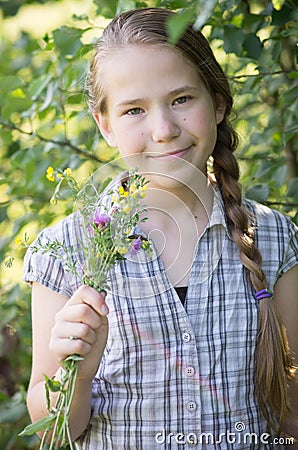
x,y
109,239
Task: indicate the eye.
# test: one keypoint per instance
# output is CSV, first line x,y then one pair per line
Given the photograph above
x,y
182,100
133,112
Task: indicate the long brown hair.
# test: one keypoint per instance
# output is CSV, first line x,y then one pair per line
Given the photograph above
x,y
274,364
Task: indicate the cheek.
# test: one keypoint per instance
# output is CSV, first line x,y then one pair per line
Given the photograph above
x,y
201,122
130,142
200,126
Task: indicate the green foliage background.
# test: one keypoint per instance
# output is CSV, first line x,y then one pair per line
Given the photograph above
x,y
44,121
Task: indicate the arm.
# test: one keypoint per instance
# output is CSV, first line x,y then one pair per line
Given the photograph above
x,y
286,297
54,319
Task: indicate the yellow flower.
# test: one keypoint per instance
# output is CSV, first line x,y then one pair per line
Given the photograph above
x,y
132,188
126,209
125,194
8,261
68,172
50,173
144,188
121,190
19,242
122,250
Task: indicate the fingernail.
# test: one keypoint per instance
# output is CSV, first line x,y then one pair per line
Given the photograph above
x,y
104,309
104,293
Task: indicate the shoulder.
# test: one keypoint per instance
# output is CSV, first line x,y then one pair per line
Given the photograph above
x,y
269,221
68,229
276,237
54,251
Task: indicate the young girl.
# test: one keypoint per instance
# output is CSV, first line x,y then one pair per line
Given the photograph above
x,y
187,349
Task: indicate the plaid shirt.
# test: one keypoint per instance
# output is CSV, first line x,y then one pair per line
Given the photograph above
x,y
175,377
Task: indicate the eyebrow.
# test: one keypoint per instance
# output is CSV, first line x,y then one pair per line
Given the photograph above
x,y
173,93
130,102
183,89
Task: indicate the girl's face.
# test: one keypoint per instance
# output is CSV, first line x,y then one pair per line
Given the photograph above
x,y
159,114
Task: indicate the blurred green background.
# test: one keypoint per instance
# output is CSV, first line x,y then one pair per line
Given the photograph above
x,y
45,47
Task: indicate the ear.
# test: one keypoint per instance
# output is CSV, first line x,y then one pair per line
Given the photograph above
x,y
221,106
105,129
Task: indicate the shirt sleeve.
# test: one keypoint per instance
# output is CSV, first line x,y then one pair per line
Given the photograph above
x,y
290,255
276,237
51,271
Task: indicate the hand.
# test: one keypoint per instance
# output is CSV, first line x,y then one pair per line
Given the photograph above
x,y
84,316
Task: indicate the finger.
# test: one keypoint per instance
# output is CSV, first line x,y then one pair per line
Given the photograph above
x,y
69,347
74,331
93,298
77,339
80,312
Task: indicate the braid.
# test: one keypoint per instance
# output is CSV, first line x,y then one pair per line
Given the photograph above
x,y
274,364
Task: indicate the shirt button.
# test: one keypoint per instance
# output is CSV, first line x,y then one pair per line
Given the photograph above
x,y
186,337
191,406
189,371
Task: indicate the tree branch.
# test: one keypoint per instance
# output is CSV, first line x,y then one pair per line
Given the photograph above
x,y
63,143
292,205
260,74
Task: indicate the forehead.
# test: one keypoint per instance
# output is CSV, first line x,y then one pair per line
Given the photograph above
x,y
146,68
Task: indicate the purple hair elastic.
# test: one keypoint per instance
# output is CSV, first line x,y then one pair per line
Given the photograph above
x,y
264,293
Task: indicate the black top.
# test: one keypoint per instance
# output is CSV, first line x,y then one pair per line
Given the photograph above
x,y
181,291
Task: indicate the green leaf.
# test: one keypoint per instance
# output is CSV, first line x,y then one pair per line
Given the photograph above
x,y
105,184
125,5
293,187
252,22
293,75
291,132
50,93
173,4
282,16
177,24
38,85
53,385
67,40
233,39
10,83
204,11
263,169
280,176
106,8
14,103
290,30
259,192
74,358
278,4
252,46
40,425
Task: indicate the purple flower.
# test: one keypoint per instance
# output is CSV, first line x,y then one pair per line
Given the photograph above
x,y
136,246
101,220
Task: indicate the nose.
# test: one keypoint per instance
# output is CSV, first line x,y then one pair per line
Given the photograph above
x,y
164,126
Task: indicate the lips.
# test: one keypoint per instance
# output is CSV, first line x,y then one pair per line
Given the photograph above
x,y
172,155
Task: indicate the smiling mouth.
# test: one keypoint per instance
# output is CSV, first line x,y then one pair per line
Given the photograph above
x,y
172,155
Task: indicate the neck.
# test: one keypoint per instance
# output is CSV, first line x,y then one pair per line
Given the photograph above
x,y
193,197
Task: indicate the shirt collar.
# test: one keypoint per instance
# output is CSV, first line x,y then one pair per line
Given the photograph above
x,y
218,214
